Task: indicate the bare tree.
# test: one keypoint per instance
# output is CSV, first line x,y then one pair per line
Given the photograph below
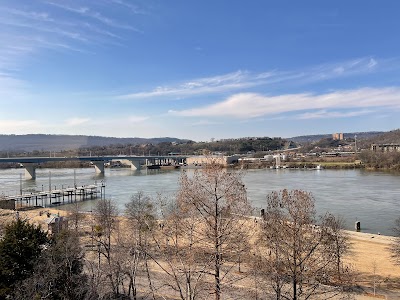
x,y
395,247
105,234
170,243
374,267
339,244
303,258
181,256
140,212
75,215
217,199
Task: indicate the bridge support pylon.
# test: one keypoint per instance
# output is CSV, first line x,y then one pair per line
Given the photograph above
x,y
99,166
135,164
30,170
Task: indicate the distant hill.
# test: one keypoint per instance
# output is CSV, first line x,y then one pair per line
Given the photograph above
x,y
44,142
314,138
32,142
390,137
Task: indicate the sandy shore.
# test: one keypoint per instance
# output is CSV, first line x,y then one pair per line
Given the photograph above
x,y
366,248
369,255
369,249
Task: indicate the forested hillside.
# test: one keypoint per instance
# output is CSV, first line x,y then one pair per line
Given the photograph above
x,y
32,142
317,137
389,137
41,145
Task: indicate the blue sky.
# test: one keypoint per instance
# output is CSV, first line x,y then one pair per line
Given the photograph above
x,y
198,69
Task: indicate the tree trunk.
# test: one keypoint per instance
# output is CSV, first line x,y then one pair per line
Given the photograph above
x,y
217,252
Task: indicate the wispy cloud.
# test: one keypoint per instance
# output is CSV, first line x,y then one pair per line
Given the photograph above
x,y
19,126
33,27
346,68
107,125
75,35
323,114
88,12
76,121
205,123
98,30
137,119
126,4
78,31
252,105
230,81
81,28
245,79
11,88
33,15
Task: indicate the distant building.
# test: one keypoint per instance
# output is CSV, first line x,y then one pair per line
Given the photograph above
x,y
269,157
385,147
7,203
55,224
217,159
337,136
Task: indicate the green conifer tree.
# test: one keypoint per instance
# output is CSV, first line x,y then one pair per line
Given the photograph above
x,y
20,249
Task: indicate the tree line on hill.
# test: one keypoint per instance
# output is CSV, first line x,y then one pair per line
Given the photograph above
x,y
45,145
305,139
194,148
40,144
257,146
52,142
203,243
163,148
389,137
380,160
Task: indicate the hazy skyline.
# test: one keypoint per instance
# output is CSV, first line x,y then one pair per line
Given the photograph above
x,y
198,70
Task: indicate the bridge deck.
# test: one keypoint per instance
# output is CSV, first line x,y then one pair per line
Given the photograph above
x,y
37,160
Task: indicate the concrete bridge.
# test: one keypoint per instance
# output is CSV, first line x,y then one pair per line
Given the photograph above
x,y
30,163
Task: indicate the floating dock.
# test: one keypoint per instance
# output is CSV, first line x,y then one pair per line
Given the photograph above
x,y
53,197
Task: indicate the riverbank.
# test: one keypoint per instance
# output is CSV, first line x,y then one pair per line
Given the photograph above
x,y
371,258
302,165
313,165
369,254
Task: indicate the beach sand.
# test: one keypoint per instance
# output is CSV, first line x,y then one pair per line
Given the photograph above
x,y
369,255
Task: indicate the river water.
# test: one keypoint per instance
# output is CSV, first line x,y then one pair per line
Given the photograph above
x,y
372,198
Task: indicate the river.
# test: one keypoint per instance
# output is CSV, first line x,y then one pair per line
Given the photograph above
x,y
355,195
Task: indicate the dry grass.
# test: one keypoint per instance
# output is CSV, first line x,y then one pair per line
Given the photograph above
x,y
366,249
369,249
